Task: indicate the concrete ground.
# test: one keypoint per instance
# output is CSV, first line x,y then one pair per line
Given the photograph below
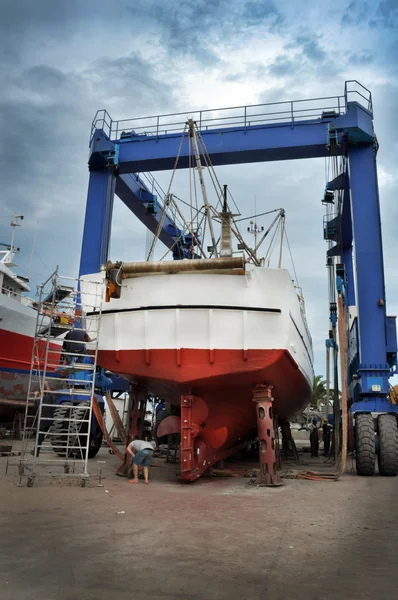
x,y
216,539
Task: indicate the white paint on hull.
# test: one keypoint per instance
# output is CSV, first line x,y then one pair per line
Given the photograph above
x,y
208,311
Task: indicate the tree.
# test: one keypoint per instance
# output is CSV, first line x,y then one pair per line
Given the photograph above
x,y
318,390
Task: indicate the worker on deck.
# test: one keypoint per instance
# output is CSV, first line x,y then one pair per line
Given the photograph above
x,y
141,452
326,428
74,346
314,438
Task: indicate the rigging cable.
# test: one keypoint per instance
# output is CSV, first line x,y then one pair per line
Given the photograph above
x,y
168,197
291,258
271,244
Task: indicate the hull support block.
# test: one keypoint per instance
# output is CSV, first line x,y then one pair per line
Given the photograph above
x,y
267,476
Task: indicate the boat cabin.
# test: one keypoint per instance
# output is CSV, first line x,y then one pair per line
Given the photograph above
x,y
11,284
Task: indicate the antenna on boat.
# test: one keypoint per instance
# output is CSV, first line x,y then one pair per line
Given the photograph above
x,y
33,251
14,223
282,236
254,229
226,231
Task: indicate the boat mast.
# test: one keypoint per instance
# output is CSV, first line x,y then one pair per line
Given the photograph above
x,y
226,237
199,166
282,236
14,223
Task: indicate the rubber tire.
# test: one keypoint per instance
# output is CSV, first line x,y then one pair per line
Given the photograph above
x,y
81,412
95,445
365,445
61,412
388,438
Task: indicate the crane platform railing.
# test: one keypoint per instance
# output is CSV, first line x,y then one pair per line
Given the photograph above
x,y
287,112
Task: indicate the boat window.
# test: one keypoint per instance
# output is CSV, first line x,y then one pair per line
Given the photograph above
x,y
10,289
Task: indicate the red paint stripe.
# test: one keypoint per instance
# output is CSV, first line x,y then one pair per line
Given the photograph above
x,y
4,359
226,382
17,350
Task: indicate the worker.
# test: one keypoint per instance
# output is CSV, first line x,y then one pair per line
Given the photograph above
x,y
160,406
141,452
286,439
74,346
314,438
326,428
46,417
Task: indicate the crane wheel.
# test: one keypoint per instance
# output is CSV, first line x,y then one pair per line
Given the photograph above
x,y
59,428
388,438
365,445
95,444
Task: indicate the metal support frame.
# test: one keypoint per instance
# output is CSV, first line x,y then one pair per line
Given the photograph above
x,y
121,149
98,221
56,436
321,127
373,368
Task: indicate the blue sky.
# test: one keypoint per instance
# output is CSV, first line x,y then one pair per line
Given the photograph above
x,y
62,61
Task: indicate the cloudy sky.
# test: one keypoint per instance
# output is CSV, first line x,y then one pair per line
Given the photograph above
x,y
61,61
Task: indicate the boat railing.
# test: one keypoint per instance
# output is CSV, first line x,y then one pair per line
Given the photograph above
x,y
286,113
353,90
11,293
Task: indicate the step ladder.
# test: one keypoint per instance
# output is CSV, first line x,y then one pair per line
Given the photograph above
x,y
56,434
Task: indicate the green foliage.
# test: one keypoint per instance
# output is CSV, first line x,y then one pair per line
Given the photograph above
x,y
318,390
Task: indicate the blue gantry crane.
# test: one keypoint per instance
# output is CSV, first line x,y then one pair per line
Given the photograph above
x,y
339,127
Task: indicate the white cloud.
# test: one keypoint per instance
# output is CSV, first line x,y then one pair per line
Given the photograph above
x,y
387,179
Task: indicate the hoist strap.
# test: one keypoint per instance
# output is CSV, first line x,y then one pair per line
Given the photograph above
x,y
116,419
100,420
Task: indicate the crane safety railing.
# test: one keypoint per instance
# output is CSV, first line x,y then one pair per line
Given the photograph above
x,y
287,112
355,91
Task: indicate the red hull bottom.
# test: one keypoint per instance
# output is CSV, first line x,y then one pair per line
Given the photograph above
x,y
15,363
224,380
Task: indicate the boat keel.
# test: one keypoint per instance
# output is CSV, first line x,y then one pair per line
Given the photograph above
x,y
201,447
198,450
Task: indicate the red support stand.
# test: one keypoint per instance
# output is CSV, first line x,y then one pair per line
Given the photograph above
x,y
266,436
138,401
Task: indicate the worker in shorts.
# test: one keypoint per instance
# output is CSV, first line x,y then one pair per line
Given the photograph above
x,y
141,452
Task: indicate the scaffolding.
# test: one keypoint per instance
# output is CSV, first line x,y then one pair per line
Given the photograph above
x,y
58,425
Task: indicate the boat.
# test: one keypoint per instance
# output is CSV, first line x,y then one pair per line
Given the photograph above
x,y
18,315
202,333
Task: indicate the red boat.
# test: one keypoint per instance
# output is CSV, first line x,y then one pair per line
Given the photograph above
x,y
239,327
210,334
17,330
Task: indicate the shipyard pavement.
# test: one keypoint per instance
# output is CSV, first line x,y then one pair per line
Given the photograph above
x,y
218,539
